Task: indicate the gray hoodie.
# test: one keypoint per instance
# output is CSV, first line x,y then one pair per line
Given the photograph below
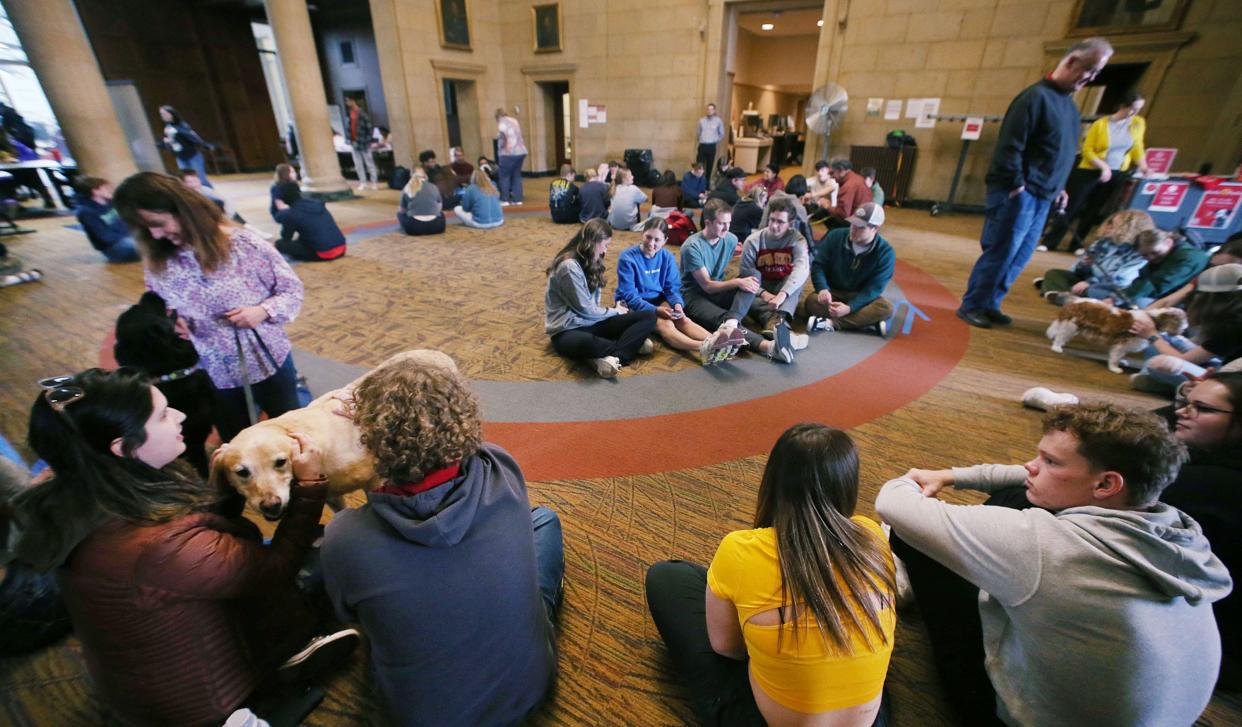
x,y
444,584
1091,616
569,302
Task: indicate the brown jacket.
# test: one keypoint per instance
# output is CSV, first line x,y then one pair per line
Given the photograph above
x,y
182,620
853,194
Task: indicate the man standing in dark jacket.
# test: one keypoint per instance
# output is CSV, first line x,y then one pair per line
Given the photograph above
x,y
1033,157
104,227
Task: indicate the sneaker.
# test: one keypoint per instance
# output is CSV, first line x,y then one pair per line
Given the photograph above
x,y
647,348
1041,248
1043,399
607,367
881,327
1148,383
997,317
737,338
504,203
321,655
712,352
1039,283
1080,251
1058,297
974,318
782,345
781,355
819,323
799,340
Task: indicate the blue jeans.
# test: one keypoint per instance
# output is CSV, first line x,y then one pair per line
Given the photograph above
x,y
549,557
1010,233
511,177
124,250
274,395
198,164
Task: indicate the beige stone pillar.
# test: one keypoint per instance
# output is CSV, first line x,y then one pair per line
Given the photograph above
x,y
61,55
299,62
392,77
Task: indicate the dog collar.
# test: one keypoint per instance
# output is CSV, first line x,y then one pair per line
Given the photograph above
x,y
178,374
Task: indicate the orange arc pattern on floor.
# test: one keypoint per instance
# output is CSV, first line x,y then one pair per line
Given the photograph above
x,y
902,371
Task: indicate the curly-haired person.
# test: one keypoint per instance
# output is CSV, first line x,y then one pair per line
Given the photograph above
x,y
1073,595
451,573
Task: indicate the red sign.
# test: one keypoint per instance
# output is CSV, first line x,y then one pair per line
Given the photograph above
x,y
1216,209
1168,197
1160,161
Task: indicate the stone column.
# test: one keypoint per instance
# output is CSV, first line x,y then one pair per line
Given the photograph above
x,y
60,53
392,77
299,63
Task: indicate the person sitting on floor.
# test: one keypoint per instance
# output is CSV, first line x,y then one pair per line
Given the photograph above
x,y
1214,313
594,196
480,203
648,280
461,168
666,196
770,181
851,193
1170,265
794,621
1111,262
564,202
627,199
189,177
479,647
284,173
307,230
729,189
818,198
794,191
103,225
694,186
778,256
749,212
713,301
871,178
421,211
1095,588
582,329
850,271
183,613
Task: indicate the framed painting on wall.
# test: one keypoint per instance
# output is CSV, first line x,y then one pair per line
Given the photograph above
x,y
546,22
1107,17
453,20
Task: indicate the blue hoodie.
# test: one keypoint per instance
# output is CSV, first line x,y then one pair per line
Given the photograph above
x,y
640,280
444,585
692,186
313,223
102,223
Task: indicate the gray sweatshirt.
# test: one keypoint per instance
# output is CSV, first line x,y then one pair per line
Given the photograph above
x,y
570,304
782,261
1091,616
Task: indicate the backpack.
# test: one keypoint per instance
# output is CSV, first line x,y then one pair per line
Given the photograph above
x,y
680,227
400,177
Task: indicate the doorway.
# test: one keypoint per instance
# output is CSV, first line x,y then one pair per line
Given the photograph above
x,y
1104,94
552,125
461,116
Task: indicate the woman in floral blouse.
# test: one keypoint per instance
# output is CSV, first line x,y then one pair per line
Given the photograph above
x,y
232,288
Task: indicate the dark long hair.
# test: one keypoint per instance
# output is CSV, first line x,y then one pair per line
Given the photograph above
x,y
91,484
176,117
831,566
200,219
1217,316
582,249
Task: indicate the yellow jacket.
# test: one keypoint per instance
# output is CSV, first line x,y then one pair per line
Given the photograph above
x,y
1095,146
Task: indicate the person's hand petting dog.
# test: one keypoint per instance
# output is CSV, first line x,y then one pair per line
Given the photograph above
x,y
1143,326
930,481
247,316
344,398
307,458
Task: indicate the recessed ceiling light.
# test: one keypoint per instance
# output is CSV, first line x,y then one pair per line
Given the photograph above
x,y
767,26
819,23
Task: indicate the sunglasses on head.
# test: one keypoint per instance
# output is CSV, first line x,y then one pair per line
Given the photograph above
x,y
59,393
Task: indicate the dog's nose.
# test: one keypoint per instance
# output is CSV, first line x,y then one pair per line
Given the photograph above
x,y
272,509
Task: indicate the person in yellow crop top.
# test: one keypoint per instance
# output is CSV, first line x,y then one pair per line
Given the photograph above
x,y
1113,147
776,631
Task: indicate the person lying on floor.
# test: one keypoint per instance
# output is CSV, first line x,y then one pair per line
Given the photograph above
x,y
307,230
1072,596
648,280
793,623
580,328
1111,262
453,576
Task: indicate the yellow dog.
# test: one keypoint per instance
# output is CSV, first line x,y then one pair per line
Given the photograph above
x,y
257,463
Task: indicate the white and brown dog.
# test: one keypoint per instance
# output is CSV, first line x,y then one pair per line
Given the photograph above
x,y
1102,323
257,462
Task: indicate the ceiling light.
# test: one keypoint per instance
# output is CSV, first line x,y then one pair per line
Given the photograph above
x,y
819,23
767,26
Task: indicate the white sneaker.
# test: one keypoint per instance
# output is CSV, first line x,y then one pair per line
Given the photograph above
x,y
882,328
781,354
320,655
647,348
818,323
504,203
1041,248
799,341
1043,399
1080,251
607,367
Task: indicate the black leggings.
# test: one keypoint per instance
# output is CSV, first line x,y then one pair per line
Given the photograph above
x,y
412,226
619,336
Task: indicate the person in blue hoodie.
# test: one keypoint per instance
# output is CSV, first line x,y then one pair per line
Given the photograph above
x,y
694,186
307,230
104,227
452,574
851,268
648,280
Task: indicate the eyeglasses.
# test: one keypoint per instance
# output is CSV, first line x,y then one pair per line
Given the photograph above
x,y
1195,408
58,395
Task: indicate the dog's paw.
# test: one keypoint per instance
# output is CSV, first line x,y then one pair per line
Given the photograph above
x,y
1057,348
1115,369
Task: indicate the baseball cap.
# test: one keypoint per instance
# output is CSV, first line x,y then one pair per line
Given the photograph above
x,y
1221,279
867,214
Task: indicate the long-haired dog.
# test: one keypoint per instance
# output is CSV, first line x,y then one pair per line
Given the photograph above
x,y
257,462
148,339
1101,323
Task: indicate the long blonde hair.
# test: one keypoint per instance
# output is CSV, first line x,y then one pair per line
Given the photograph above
x,y
622,176
1124,226
481,180
417,178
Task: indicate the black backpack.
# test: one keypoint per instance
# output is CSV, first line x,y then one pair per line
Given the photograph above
x,y
400,177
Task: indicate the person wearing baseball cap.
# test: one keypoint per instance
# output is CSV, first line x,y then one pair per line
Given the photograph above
x,y
1214,312
730,187
850,269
